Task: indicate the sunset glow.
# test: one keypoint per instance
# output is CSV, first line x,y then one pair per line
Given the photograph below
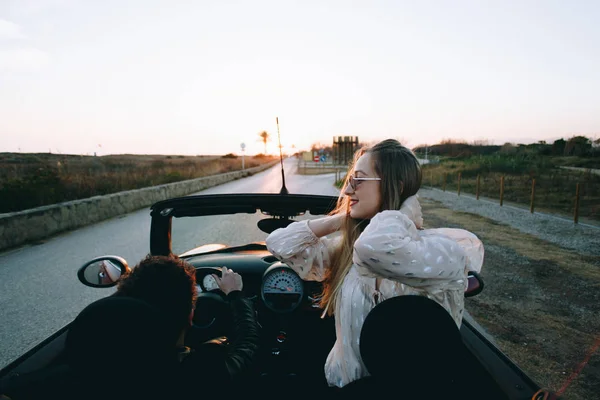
x,y
203,77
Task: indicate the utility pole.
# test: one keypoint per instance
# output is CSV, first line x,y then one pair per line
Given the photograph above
x,y
243,146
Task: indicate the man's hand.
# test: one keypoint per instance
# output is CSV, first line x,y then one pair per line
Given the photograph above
x,y
229,281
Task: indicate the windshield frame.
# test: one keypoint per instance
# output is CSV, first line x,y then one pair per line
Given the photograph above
x,y
275,205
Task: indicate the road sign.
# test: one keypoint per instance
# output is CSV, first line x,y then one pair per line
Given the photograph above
x,y
316,159
322,158
243,146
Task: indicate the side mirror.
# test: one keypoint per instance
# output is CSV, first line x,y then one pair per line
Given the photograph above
x,y
103,272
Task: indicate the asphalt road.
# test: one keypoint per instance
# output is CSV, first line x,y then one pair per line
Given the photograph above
x,y
39,290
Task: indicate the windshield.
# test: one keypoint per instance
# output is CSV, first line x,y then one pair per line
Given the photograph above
x,y
188,233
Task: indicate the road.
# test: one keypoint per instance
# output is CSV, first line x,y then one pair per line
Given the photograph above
x,y
39,290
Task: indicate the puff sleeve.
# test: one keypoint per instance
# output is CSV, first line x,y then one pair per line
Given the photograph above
x,y
299,247
392,247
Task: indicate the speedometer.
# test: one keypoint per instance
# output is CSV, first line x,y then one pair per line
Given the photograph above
x,y
210,283
282,289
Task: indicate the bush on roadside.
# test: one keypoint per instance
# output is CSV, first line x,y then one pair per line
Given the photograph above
x,y
33,180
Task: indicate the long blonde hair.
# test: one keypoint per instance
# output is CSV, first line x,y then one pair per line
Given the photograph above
x,y
400,174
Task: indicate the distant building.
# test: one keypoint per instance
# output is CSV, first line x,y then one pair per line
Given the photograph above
x,y
344,148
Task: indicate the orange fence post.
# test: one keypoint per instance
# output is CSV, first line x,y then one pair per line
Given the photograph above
x,y
576,217
477,192
531,207
458,190
501,190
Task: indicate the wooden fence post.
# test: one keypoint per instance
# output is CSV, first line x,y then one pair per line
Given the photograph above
x,y
458,191
445,179
477,192
501,190
531,207
576,217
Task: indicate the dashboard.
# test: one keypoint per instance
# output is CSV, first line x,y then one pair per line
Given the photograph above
x,y
294,337
271,284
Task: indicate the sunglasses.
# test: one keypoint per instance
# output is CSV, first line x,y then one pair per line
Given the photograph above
x,y
354,181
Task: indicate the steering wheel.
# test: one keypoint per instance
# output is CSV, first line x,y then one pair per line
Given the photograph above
x,y
212,316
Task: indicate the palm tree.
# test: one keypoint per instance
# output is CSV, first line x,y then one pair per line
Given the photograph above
x,y
264,137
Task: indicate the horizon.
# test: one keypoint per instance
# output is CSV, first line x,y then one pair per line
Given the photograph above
x,y
276,155
145,77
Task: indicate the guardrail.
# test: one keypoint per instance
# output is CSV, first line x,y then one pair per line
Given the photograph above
x,y
26,226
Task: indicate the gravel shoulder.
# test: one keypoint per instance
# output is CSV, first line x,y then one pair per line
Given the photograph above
x,y
541,302
582,237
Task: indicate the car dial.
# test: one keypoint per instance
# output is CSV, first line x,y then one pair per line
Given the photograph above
x,y
282,290
283,281
209,283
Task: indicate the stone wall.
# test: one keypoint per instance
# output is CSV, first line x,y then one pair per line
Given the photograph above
x,y
20,227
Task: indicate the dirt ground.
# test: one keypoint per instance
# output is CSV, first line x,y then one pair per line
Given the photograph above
x,y
541,303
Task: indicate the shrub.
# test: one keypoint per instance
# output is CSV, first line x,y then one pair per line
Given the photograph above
x,y
33,180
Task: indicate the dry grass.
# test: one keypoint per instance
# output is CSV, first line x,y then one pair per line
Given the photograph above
x,y
541,302
33,180
555,188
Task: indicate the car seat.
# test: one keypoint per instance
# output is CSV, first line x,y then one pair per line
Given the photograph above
x,y
411,347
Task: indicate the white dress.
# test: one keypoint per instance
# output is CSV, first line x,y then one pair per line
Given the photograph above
x,y
431,262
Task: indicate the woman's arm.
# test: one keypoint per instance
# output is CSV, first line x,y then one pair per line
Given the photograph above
x,y
326,225
392,247
304,247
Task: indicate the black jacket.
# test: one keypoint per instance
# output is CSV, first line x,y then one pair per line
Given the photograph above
x,y
209,369
221,366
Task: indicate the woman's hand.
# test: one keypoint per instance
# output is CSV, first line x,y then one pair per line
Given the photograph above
x,y
229,281
326,225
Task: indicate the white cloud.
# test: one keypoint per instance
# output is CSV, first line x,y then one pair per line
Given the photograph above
x,y
10,30
23,59
32,7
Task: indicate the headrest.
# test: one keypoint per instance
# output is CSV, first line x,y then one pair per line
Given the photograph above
x,y
409,336
119,331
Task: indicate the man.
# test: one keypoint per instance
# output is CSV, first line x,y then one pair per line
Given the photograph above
x,y
141,330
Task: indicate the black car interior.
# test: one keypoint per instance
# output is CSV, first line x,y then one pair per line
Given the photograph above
x,y
295,339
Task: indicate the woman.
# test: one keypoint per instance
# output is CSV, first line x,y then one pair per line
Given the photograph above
x,y
383,251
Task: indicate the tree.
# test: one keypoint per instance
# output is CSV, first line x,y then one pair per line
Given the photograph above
x,y
320,147
578,146
558,147
264,137
508,148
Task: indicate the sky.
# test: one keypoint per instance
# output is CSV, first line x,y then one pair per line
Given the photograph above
x,y
203,77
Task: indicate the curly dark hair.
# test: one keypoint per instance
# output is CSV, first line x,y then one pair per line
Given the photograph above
x,y
165,282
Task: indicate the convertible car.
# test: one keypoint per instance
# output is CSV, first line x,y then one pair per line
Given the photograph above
x,y
295,339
